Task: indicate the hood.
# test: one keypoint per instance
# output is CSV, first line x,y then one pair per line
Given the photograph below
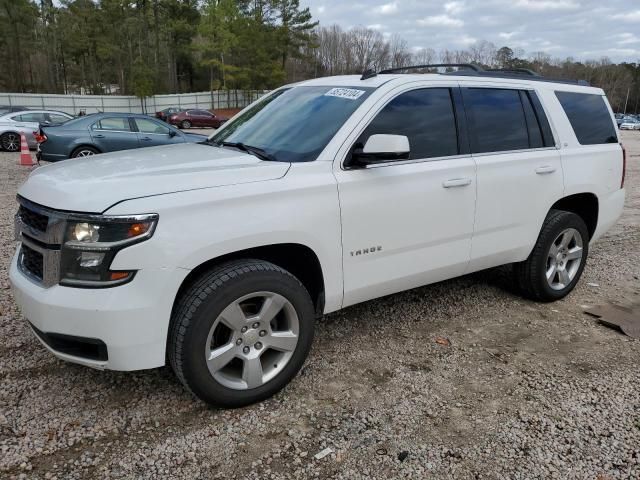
x,y
93,184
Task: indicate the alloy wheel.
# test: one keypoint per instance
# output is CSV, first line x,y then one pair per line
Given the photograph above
x,y
11,142
252,340
564,259
85,153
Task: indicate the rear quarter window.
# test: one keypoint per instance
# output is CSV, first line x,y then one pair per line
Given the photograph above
x,y
589,117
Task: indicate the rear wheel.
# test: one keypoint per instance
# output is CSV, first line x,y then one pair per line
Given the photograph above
x,y
241,333
185,124
557,260
84,152
10,142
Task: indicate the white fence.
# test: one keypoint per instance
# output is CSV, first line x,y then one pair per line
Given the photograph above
x,y
74,104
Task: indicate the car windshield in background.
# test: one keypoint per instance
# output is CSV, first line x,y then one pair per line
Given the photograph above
x,y
295,124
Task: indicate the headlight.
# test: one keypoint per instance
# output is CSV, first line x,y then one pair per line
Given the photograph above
x,y
91,243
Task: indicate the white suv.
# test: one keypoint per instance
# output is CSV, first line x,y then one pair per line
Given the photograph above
x,y
218,257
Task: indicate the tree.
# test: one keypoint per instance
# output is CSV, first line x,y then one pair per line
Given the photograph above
x,y
295,28
504,57
218,17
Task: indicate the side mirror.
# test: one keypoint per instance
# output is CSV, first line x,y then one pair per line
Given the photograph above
x,y
172,133
381,148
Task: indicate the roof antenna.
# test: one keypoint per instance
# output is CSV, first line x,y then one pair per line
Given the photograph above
x,y
368,73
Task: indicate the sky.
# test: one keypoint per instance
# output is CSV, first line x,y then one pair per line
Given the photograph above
x,y
582,29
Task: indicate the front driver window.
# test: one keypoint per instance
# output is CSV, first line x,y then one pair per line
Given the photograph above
x,y
149,126
424,116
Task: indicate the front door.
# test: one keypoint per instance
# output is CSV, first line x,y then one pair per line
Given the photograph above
x,y
410,222
152,133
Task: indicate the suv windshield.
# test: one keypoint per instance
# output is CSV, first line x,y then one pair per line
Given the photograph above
x,y
294,124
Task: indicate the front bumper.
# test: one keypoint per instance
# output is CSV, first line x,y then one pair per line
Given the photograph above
x,y
131,320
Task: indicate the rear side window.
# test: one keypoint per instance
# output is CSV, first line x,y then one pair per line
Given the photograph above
x,y
31,117
496,120
589,117
116,123
425,116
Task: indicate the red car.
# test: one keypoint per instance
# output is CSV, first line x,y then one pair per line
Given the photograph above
x,y
196,118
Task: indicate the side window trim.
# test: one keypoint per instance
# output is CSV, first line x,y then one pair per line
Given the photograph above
x,y
464,147
531,125
548,139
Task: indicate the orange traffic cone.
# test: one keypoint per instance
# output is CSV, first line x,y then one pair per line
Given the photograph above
x,y
25,155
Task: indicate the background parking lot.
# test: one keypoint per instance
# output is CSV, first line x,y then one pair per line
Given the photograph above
x,y
462,379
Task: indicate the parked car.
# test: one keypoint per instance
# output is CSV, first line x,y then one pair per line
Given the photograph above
x,y
196,118
43,117
10,135
8,109
219,256
166,113
630,123
107,132
27,122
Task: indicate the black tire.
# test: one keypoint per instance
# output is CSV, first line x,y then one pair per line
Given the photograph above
x,y
84,151
185,124
10,141
198,308
530,275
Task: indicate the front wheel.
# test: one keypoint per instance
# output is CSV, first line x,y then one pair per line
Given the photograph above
x,y
240,333
185,124
557,260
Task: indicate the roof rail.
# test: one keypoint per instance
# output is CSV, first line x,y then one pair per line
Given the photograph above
x,y
468,66
470,69
369,73
524,71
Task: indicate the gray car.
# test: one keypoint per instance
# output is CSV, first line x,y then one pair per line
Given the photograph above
x,y
12,124
107,132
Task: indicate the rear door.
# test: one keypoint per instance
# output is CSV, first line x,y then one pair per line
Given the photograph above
x,y
518,168
110,134
152,133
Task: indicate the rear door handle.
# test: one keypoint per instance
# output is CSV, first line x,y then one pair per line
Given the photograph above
x,y
543,170
456,182
99,136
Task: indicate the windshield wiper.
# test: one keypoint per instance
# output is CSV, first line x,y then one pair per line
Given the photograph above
x,y
256,151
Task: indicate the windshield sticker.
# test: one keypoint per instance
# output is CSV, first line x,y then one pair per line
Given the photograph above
x,y
350,93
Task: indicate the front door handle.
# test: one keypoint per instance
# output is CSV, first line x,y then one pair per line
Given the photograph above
x,y
146,139
545,169
456,182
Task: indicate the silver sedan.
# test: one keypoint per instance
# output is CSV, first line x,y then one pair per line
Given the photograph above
x,y
27,122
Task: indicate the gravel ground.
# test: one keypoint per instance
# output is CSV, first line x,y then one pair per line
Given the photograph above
x,y
522,391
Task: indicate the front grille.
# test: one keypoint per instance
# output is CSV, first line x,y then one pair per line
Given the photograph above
x,y
35,220
32,262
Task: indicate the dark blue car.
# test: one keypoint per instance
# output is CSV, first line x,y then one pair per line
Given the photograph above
x,y
107,132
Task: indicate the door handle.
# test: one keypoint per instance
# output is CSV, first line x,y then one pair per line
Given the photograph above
x,y
457,182
543,170
99,136
146,139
